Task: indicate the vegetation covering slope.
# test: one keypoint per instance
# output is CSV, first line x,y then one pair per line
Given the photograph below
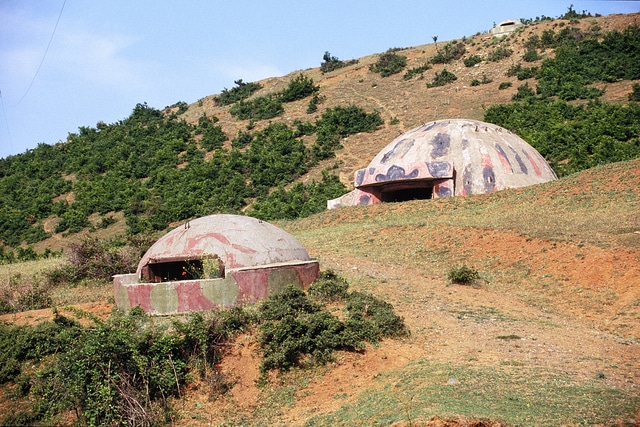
x,y
541,327
240,151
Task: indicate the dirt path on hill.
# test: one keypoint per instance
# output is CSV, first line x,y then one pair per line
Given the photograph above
x,y
478,326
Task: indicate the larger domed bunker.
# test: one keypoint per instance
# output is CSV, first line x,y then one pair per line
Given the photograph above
x,y
447,158
213,262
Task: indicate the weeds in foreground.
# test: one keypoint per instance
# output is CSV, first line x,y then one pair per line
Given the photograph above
x,y
463,275
126,369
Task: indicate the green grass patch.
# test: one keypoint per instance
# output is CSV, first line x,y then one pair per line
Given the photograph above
x,y
516,395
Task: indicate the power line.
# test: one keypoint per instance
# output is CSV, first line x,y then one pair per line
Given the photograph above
x,y
43,56
4,112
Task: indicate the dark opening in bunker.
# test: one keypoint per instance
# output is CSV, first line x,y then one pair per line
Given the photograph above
x,y
419,191
180,269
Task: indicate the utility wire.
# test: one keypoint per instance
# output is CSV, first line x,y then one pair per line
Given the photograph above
x,y
43,56
4,112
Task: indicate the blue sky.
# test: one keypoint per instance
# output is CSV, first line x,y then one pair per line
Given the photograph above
x,y
107,56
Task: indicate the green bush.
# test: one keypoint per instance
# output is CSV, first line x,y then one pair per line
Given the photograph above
x,y
296,330
524,92
314,102
504,85
213,138
472,60
521,72
451,52
635,93
114,372
299,88
331,63
242,140
329,287
463,275
485,80
442,78
531,55
372,318
339,122
303,199
241,91
499,53
415,71
259,108
389,63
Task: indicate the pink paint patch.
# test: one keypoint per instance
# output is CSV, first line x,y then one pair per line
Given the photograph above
x,y
536,168
252,284
504,161
190,297
243,249
140,295
195,241
308,273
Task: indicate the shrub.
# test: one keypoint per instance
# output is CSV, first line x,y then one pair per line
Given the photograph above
x,y
499,53
114,372
303,199
372,318
329,287
242,140
19,294
463,275
340,122
472,60
416,70
259,108
212,138
485,80
505,85
72,221
521,72
442,78
241,91
452,51
531,55
331,63
296,330
95,259
299,88
389,63
635,93
313,103
524,91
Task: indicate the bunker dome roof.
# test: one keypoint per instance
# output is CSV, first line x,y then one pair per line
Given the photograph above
x,y
479,156
238,241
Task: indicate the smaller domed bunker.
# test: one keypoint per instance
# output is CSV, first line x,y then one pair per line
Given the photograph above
x,y
447,158
214,262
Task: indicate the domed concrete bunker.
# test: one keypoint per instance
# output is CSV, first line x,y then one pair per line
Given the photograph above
x,y
214,262
447,158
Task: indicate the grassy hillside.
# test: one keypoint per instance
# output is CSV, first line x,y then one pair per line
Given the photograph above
x,y
278,148
548,333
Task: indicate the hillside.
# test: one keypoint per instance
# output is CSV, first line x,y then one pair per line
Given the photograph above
x,y
411,102
548,335
155,168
